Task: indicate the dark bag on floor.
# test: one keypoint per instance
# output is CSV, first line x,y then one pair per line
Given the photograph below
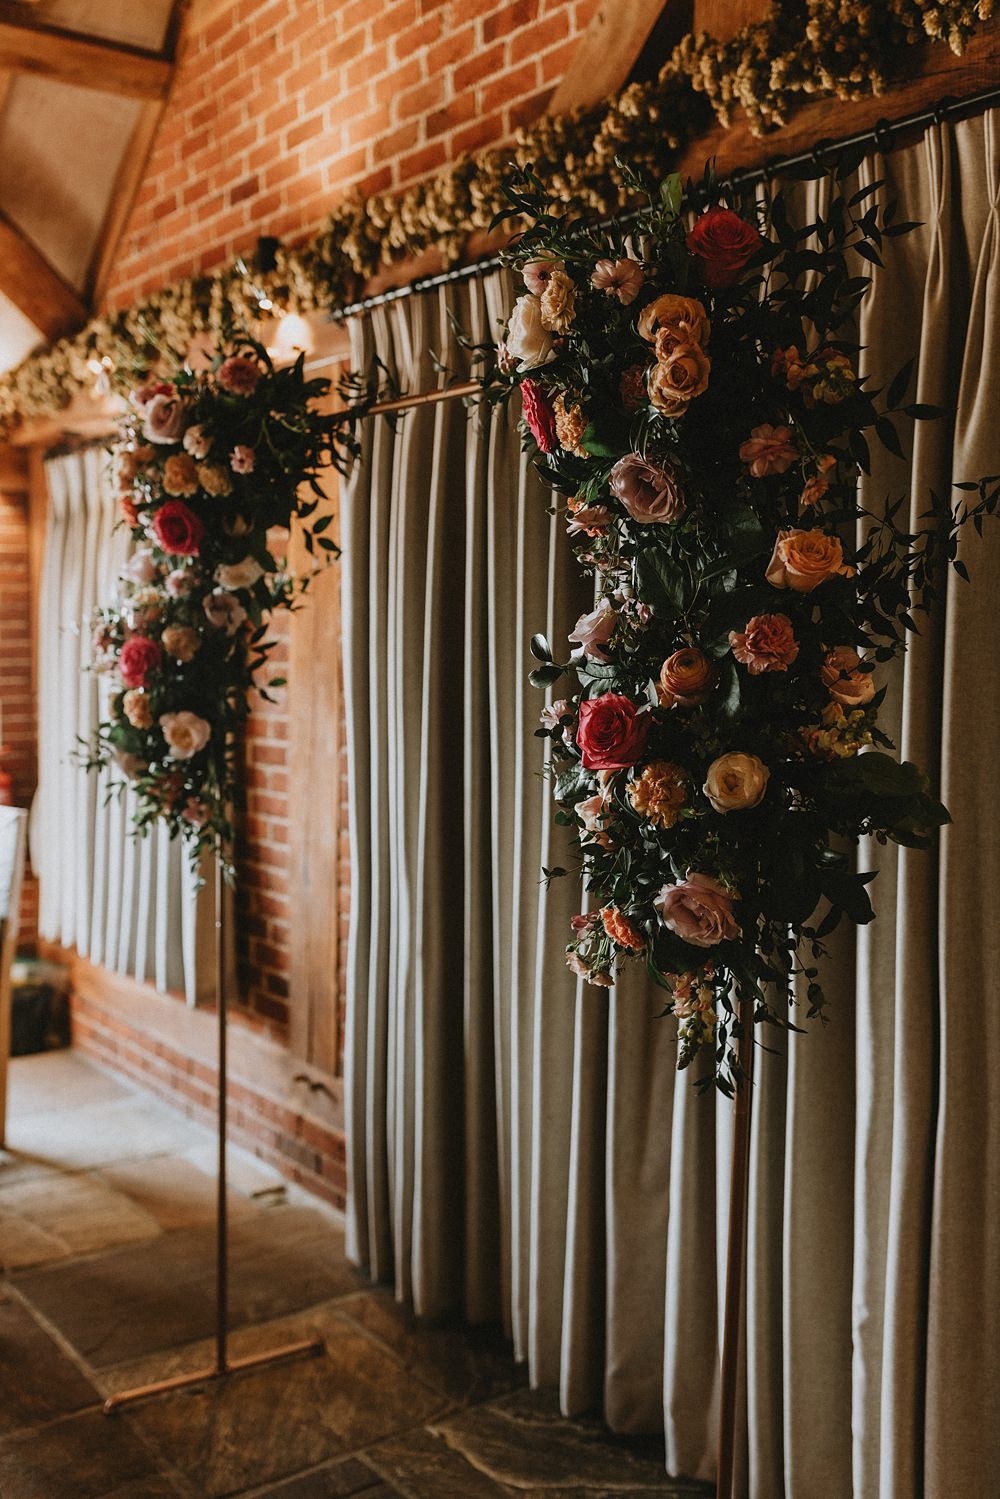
x,y
39,1019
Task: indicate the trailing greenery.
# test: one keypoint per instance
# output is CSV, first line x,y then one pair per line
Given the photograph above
x,y
841,48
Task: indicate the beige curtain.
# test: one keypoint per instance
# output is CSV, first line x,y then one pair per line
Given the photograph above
x,y
129,905
521,1147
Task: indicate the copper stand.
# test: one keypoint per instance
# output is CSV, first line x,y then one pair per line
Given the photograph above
x,y
224,1365
739,1191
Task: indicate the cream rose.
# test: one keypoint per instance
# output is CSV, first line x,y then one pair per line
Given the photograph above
x,y
675,381
239,574
185,733
736,782
528,340
844,679
802,560
140,567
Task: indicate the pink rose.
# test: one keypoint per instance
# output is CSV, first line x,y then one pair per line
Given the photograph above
x,y
165,418
180,582
769,450
767,644
140,568
650,493
138,657
619,278
239,374
593,631
242,459
699,910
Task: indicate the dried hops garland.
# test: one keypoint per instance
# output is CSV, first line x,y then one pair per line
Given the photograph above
x,y
211,470
707,757
843,48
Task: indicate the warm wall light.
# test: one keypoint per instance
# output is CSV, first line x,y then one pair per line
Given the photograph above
x,y
292,337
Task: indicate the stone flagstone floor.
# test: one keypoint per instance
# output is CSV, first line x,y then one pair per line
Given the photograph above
x,y
106,1245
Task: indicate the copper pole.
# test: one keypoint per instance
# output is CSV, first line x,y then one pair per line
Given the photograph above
x,y
425,398
739,1192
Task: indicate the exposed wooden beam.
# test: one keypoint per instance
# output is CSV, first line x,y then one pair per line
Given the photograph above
x,y
28,46
608,50
13,470
34,286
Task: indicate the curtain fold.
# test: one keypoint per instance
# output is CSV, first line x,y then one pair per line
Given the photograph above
x,y
133,907
520,1147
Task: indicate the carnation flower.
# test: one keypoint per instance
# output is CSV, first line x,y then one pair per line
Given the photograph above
x,y
180,477
129,509
214,480
621,930
619,278
659,793
558,302
769,450
186,734
242,459
813,491
767,644
649,492
239,374
571,424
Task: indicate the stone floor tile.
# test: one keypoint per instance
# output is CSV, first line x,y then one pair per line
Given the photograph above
x,y
79,1214
522,1444
118,1306
175,1192
85,1457
246,1173
60,1080
468,1366
121,1129
37,1381
342,1480
266,1424
421,1465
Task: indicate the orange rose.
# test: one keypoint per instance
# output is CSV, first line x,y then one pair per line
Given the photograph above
x,y
802,560
686,678
683,318
846,683
676,380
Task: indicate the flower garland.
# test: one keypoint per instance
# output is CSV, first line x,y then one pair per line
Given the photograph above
x,y
700,409
211,470
842,48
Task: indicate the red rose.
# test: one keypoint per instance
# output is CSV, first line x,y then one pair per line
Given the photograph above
x,y
539,415
239,374
723,242
178,529
139,656
611,732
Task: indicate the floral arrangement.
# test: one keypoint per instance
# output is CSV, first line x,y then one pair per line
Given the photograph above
x,y
689,386
211,470
802,49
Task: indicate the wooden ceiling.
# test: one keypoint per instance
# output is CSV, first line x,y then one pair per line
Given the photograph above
x,y
82,86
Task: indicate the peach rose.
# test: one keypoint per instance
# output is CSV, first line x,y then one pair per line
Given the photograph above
x,y
181,642
736,782
767,644
844,679
135,706
802,560
185,733
676,380
699,910
686,678
683,318
180,477
593,813
593,631
769,450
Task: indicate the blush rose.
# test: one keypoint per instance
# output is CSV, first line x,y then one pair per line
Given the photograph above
x,y
649,492
699,910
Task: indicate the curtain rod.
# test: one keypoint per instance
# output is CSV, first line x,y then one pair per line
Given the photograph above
x,y
881,135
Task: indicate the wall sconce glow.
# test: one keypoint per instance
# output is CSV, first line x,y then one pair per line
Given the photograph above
x,y
292,338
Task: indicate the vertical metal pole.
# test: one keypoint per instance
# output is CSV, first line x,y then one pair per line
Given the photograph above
x,y
222,1203
739,1191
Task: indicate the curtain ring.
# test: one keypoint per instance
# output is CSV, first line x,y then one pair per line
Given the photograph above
x,y
943,108
883,135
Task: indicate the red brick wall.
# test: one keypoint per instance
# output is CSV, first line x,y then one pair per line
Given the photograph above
x,y
16,700
280,106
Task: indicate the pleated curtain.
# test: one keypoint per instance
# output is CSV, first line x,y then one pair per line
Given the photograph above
x,y
520,1146
129,905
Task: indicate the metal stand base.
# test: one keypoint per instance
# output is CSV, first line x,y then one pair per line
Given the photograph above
x,y
223,1365
736,1253
203,1376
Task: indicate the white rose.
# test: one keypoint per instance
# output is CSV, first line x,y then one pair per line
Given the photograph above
x,y
593,631
239,574
185,733
528,340
736,782
140,568
224,611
